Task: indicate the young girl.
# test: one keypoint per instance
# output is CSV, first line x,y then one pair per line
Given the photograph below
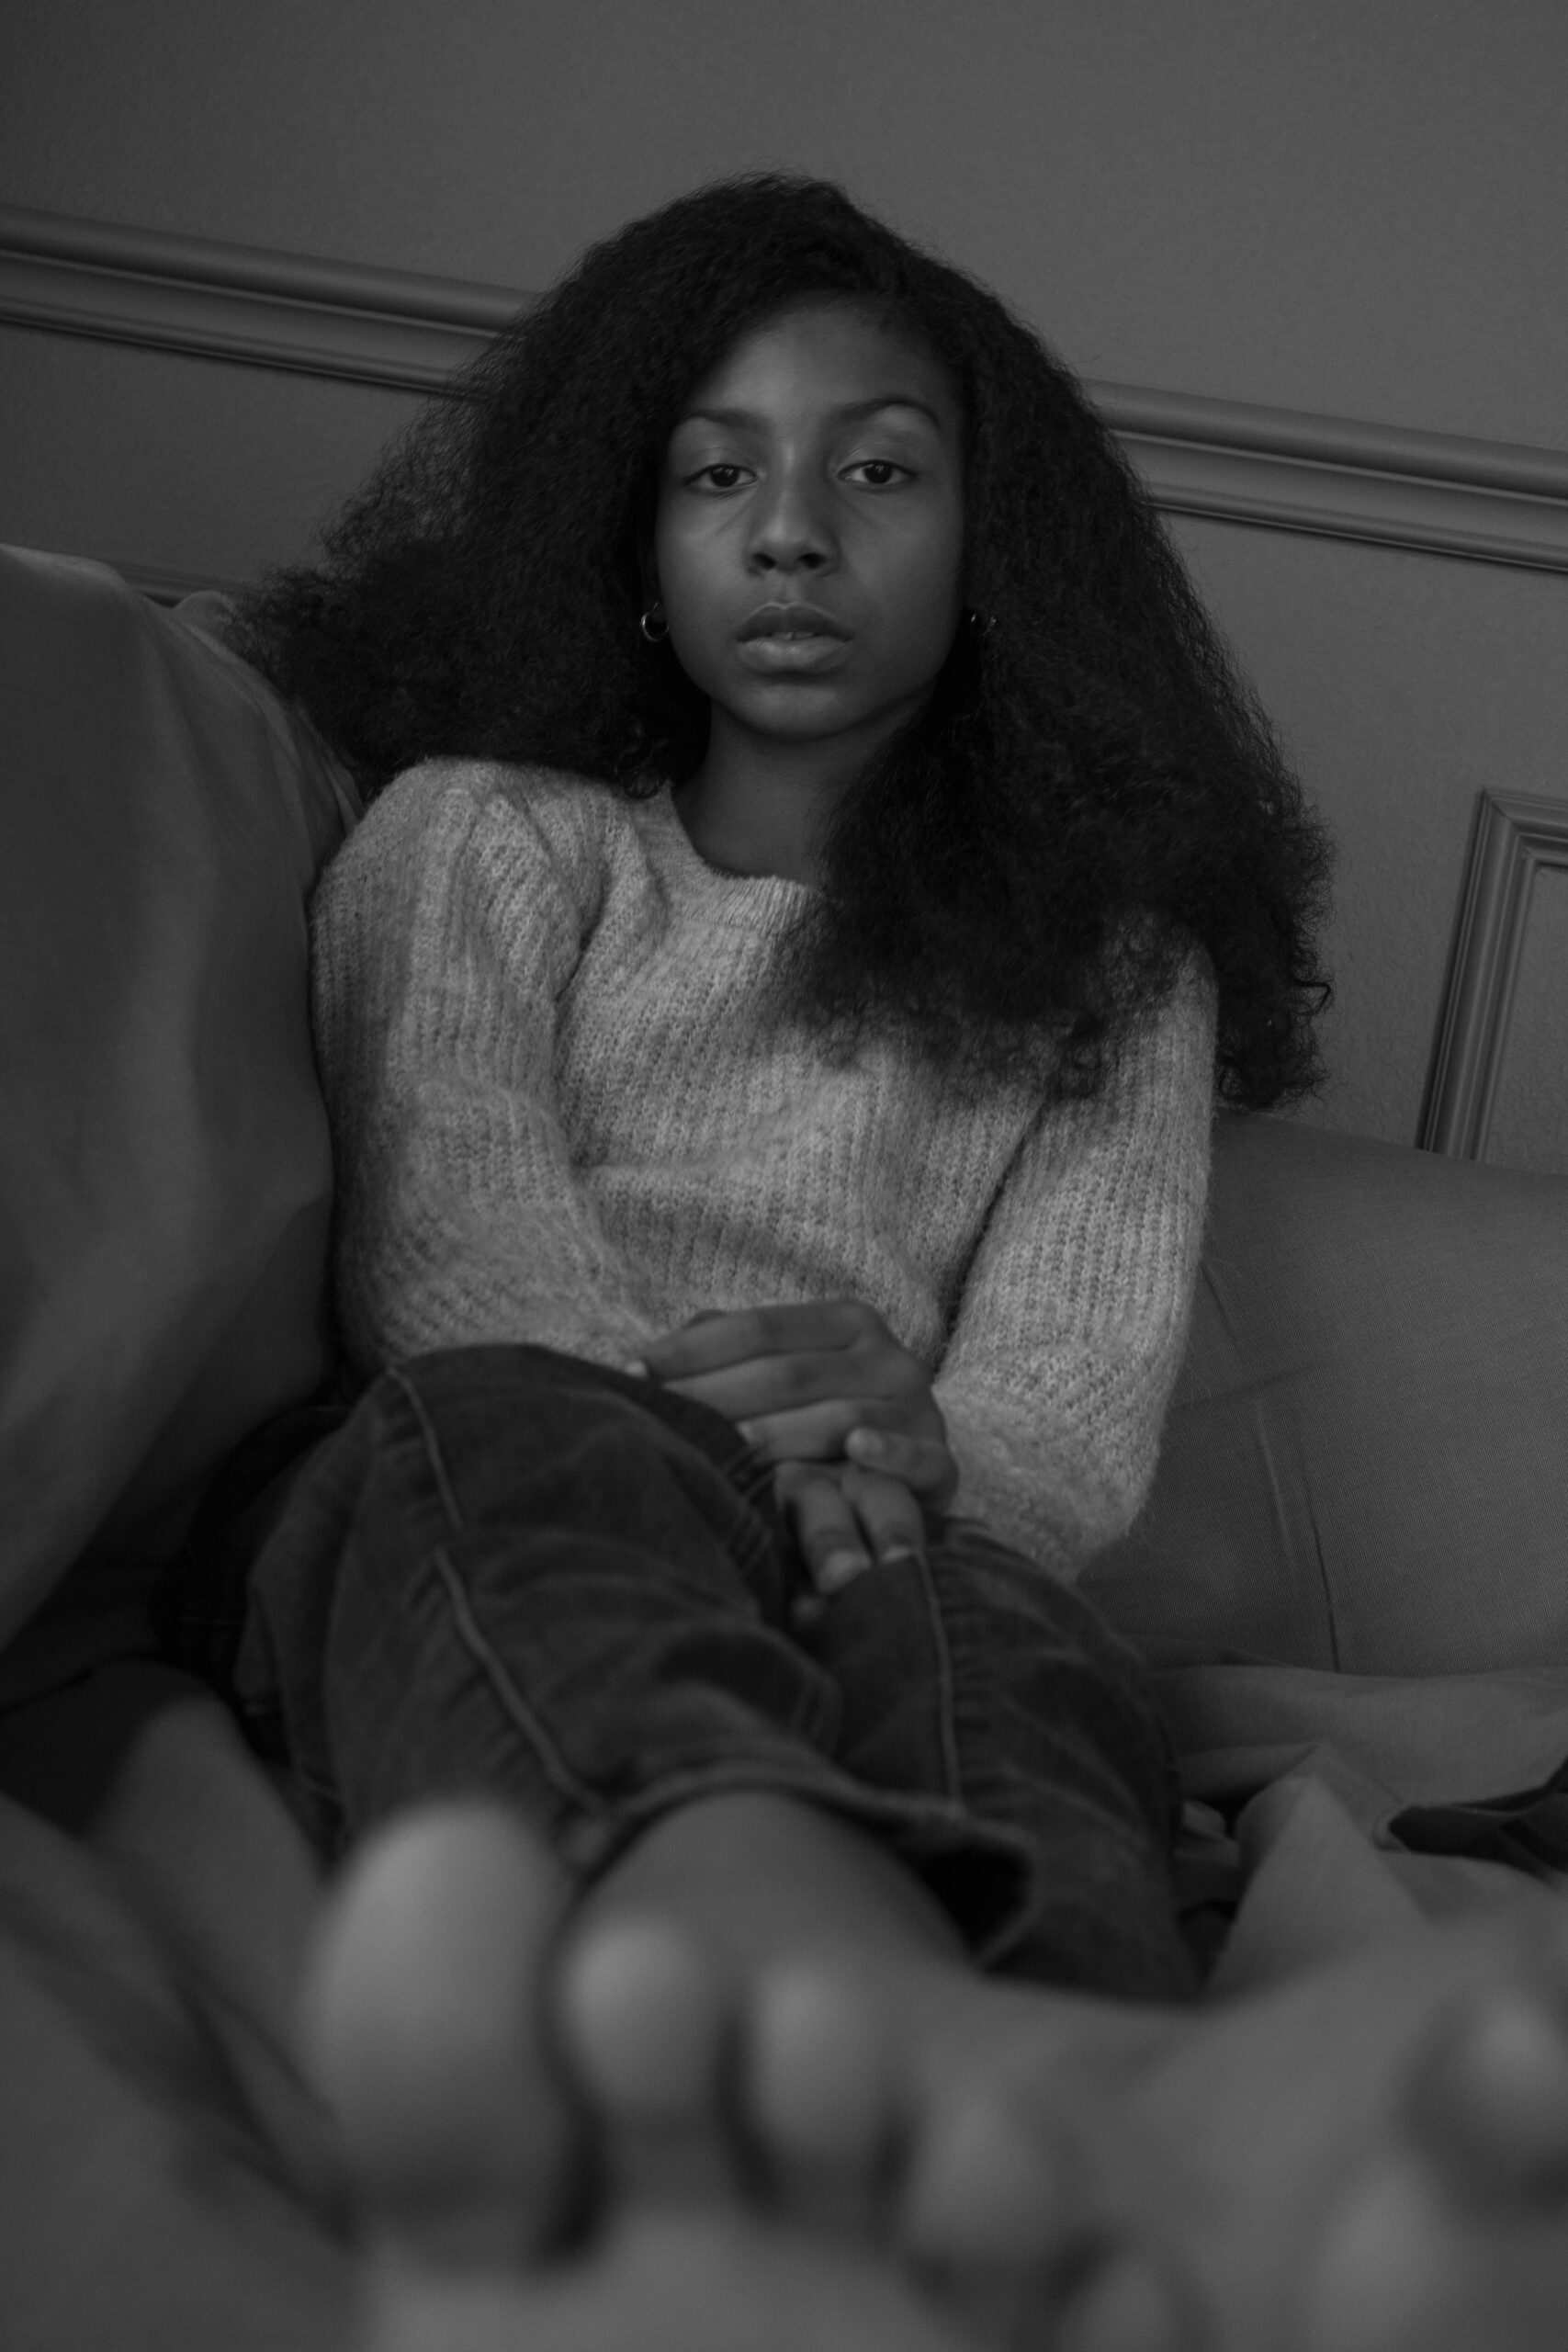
x,y
771,1053
819,870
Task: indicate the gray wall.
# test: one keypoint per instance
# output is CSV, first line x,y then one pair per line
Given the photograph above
x,y
1354,209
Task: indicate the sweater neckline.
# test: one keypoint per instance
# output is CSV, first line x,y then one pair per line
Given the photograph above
x,y
758,900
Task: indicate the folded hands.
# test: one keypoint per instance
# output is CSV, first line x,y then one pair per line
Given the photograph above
x,y
842,1410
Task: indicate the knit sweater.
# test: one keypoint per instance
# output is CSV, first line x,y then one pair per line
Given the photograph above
x,y
563,1113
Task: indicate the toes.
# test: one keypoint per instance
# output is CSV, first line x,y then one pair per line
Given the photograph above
x,y
421,2026
815,2094
1401,2271
1489,2111
990,2216
1124,2301
1018,2234
646,2025
1458,2234
982,2191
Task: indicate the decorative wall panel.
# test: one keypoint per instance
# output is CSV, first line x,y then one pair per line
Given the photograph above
x,y
1240,463
1498,1085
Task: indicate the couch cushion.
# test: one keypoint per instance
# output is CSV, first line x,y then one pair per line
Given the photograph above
x,y
1366,1463
165,1169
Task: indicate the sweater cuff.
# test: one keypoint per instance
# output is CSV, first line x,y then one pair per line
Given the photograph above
x,y
1008,1481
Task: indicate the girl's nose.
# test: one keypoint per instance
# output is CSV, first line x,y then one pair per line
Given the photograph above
x,y
790,526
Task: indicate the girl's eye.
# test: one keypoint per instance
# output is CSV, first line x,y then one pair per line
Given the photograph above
x,y
727,474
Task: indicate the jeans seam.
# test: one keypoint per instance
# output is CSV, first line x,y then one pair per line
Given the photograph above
x,y
470,1632
824,1786
753,1539
747,1476
946,1690
415,1403
557,1772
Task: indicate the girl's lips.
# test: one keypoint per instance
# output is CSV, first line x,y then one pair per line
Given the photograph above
x,y
808,650
792,616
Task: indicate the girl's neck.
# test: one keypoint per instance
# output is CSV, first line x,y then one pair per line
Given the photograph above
x,y
760,834
766,808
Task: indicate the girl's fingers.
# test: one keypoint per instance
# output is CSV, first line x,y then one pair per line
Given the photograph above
x,y
922,1463
714,1340
866,1434
809,1433
875,1369
768,1385
890,1517
827,1531
847,1521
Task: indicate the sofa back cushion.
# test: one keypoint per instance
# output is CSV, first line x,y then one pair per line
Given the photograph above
x,y
164,1168
1366,1463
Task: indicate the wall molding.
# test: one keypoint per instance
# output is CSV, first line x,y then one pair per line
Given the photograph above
x,y
162,586
1232,461
241,303
1513,836
1284,469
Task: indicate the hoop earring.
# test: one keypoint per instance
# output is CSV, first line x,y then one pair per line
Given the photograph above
x,y
654,625
981,623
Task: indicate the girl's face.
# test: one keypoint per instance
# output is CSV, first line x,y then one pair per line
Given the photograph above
x,y
808,540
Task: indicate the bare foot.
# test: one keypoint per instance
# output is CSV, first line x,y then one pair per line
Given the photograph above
x,y
614,2198
1454,2232
1371,2158
423,2029
883,2219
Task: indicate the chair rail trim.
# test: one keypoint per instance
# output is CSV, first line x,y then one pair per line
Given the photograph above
x,y
1232,461
1513,836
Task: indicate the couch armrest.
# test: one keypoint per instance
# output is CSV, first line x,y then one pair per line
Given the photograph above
x,y
1366,1463
166,1172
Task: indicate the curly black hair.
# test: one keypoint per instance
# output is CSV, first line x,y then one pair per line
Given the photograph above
x,y
1090,786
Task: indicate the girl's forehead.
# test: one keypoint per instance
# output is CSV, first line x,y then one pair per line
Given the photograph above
x,y
829,354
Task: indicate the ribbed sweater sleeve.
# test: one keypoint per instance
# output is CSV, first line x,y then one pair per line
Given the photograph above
x,y
442,937
1073,1317
562,1112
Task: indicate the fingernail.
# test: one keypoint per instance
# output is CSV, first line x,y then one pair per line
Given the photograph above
x,y
637,1368
866,1441
895,1554
806,1609
840,1568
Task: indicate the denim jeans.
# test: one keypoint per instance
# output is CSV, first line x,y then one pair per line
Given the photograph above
x,y
512,1571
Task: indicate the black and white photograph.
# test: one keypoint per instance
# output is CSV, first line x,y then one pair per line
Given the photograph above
x,y
784,1176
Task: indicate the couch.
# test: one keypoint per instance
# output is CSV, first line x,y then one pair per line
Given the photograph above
x,y
1351,1575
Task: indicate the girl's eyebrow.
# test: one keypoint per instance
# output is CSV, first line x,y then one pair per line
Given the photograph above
x,y
850,413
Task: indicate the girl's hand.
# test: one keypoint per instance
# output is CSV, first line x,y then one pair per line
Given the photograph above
x,y
815,1383
845,1521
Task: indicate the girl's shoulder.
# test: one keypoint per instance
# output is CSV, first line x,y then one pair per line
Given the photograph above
x,y
548,795
489,825
576,820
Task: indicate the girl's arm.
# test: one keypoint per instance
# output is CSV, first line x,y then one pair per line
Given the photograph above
x,y
1047,1407
1073,1319
442,936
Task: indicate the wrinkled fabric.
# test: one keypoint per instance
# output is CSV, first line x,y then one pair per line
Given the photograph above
x,y
1372,1800
1363,1469
1385,1745
144,2205
518,1572
165,1169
